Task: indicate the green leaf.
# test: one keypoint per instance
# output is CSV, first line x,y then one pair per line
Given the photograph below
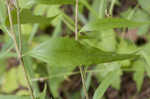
x,y
138,76
108,80
57,76
3,11
28,63
125,46
141,16
14,97
146,54
65,52
105,69
5,52
26,16
43,94
12,79
26,4
101,39
52,2
110,23
145,4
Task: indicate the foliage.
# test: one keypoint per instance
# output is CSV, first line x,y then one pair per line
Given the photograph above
x,y
50,53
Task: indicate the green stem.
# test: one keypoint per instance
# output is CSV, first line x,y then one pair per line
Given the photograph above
x,y
18,50
19,24
76,38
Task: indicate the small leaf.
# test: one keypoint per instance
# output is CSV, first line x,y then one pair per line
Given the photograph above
x,y
52,2
108,80
26,16
68,52
110,23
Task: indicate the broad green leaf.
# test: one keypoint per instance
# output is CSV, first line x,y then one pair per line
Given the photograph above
x,y
14,97
53,2
108,80
138,76
110,23
65,52
26,16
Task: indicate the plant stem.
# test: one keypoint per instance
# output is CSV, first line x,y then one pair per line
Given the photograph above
x,y
17,49
19,24
76,38
83,82
76,20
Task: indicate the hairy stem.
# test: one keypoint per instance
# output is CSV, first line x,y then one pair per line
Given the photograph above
x,y
17,49
76,38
